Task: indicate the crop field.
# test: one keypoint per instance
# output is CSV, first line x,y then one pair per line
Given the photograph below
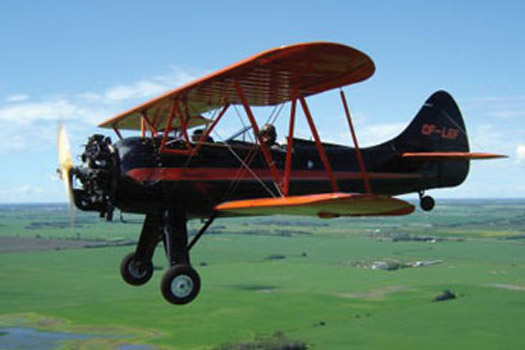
x,y
271,283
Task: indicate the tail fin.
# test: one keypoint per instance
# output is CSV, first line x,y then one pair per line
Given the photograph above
x,y
437,127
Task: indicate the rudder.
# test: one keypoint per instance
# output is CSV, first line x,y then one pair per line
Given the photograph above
x,y
437,127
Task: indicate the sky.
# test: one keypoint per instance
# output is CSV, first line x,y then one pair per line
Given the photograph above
x,y
81,62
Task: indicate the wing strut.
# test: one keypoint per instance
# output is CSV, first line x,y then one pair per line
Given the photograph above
x,y
289,149
267,154
357,149
168,127
117,132
320,147
208,130
145,122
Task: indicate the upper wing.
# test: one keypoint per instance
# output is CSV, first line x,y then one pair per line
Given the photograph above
x,y
268,78
325,205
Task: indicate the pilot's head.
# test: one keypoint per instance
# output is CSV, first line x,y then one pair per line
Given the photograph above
x,y
196,136
268,134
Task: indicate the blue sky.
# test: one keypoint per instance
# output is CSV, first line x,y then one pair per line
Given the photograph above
x,y
84,61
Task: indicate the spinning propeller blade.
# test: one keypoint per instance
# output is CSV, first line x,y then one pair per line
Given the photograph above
x,y
65,161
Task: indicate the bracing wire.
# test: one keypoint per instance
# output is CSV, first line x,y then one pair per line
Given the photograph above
x,y
246,166
214,114
244,127
250,156
459,127
277,115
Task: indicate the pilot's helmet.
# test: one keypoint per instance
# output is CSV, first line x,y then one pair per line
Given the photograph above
x,y
268,134
196,136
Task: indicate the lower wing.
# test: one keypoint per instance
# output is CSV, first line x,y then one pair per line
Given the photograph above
x,y
324,205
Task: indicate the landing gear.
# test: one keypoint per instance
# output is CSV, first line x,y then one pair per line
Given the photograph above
x,y
180,283
137,268
426,202
136,272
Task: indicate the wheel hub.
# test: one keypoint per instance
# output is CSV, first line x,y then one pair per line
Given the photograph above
x,y
135,270
182,286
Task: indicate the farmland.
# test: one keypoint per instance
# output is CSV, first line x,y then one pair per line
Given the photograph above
x,y
299,280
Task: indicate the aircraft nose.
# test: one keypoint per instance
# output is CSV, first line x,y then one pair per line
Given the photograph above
x,y
98,176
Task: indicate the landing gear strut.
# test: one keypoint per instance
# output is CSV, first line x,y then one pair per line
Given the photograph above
x,y
180,283
426,202
137,268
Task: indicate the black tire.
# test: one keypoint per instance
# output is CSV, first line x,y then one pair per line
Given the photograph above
x,y
135,273
427,203
180,284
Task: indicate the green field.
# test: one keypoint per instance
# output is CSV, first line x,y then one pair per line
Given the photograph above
x,y
308,279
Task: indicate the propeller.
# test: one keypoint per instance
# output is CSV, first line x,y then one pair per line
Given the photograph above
x,y
65,162
95,178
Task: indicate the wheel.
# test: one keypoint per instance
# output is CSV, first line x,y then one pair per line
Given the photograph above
x,y
134,272
427,203
180,284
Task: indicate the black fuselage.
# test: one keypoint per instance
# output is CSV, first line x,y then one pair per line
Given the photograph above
x,y
219,172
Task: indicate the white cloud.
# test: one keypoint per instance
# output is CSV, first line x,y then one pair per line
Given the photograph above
x,y
22,191
487,137
377,133
495,123
17,98
149,88
505,107
520,189
142,89
11,142
367,134
31,193
36,121
90,97
520,154
27,113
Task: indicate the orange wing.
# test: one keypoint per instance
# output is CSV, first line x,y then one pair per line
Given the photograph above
x,y
325,205
268,78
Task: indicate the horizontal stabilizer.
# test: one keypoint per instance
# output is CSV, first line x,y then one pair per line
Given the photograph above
x,y
446,156
325,205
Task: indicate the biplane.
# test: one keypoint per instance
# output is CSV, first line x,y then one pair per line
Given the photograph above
x,y
173,169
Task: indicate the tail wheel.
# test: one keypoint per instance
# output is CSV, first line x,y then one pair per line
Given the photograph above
x,y
135,272
427,203
180,284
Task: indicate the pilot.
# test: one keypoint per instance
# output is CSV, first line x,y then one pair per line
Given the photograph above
x,y
197,134
268,135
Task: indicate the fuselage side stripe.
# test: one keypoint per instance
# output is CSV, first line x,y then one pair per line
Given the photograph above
x,y
225,174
